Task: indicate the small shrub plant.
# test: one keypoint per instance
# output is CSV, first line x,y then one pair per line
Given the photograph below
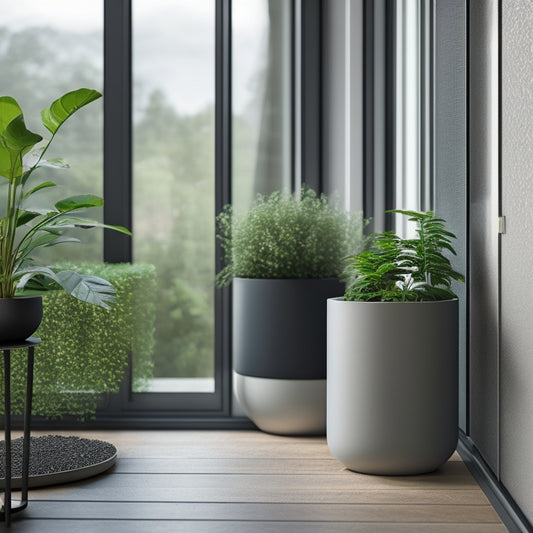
x,y
392,269
283,235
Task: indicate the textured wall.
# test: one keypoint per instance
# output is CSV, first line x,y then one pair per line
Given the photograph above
x,y
450,151
516,358
483,229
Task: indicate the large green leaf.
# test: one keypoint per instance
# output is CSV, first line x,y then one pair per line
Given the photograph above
x,y
15,141
9,109
43,185
38,240
89,289
57,162
65,106
23,216
82,201
83,223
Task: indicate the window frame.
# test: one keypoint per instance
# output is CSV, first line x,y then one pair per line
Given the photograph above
x,y
118,177
193,410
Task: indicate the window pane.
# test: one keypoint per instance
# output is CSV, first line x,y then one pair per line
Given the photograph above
x,y
174,183
261,86
47,49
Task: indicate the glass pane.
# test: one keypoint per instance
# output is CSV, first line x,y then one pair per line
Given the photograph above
x,y
47,49
261,87
174,182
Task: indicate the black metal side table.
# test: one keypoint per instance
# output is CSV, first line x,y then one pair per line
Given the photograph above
x,y
12,506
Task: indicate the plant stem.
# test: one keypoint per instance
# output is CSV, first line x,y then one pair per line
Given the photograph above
x,y
7,288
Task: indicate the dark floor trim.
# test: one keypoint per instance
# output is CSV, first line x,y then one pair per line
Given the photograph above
x,y
509,512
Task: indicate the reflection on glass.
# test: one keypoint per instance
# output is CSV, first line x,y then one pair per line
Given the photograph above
x,y
413,164
173,177
47,49
261,89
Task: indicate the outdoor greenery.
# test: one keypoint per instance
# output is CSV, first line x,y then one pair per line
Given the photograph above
x,y
85,349
174,206
288,236
25,227
173,185
393,269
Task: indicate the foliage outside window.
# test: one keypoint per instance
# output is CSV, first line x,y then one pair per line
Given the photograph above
x,y
85,349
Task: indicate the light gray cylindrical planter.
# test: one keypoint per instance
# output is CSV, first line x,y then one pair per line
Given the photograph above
x,y
279,352
392,392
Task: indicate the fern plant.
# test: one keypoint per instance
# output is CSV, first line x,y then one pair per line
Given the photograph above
x,y
392,269
298,236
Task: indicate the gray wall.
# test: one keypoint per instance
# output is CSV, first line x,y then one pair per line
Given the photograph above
x,y
450,153
501,294
516,353
484,239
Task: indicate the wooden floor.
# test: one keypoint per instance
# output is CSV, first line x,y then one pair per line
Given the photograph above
x,y
246,481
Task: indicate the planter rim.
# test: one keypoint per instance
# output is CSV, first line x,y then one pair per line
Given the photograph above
x,y
341,299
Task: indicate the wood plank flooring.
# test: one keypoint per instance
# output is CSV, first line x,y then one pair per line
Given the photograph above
x,y
248,481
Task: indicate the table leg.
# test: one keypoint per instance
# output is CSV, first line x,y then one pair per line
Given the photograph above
x,y
27,424
7,432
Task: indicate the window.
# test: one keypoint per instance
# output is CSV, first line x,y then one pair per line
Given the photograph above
x,y
413,158
173,205
43,54
166,151
262,98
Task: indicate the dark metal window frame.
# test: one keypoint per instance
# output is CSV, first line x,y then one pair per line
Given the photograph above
x,y
188,410
118,176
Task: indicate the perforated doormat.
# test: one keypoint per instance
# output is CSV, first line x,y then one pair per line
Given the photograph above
x,y
56,459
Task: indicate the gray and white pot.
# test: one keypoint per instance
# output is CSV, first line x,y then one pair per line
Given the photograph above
x,y
279,352
392,385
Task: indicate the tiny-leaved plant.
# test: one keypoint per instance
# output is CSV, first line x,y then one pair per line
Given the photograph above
x,y
283,235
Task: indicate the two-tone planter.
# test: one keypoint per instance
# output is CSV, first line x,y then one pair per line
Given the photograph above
x,y
279,352
392,385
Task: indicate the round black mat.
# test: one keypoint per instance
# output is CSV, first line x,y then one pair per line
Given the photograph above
x,y
55,459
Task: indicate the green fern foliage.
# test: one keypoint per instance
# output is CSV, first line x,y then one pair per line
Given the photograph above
x,y
392,269
299,235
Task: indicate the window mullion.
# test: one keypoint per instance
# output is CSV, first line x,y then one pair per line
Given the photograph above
x,y
117,128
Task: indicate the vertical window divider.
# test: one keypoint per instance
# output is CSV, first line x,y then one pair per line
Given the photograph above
x,y
309,95
117,129
223,172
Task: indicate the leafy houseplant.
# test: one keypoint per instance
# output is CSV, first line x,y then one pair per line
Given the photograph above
x,y
284,257
23,227
392,354
405,270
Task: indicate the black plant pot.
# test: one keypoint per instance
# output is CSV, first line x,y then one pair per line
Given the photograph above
x,y
19,317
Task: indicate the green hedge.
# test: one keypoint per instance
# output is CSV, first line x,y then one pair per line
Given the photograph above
x,y
85,349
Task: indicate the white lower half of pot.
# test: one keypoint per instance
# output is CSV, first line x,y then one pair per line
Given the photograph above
x,y
283,406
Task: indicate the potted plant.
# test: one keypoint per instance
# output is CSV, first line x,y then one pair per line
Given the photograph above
x,y
284,256
393,354
24,228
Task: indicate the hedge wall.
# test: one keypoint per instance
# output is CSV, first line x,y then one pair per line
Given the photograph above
x,y
85,349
